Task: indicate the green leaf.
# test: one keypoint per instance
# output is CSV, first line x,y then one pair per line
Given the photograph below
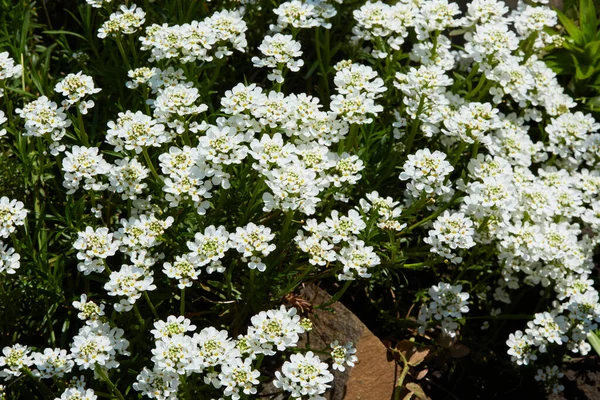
x,y
59,32
571,28
561,62
582,71
594,341
588,21
592,52
594,102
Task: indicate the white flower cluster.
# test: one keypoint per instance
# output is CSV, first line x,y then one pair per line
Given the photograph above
x,y
386,209
12,214
427,174
84,165
126,21
303,14
448,305
253,242
227,364
134,131
343,354
279,52
44,118
451,232
8,69
198,40
75,87
94,246
131,282
358,87
318,240
98,344
304,375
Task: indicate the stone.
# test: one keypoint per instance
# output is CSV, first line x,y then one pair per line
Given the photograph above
x,y
373,377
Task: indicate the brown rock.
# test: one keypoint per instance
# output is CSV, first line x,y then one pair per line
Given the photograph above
x,y
373,377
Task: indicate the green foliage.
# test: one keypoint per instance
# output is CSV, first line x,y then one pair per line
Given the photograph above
x,y
578,59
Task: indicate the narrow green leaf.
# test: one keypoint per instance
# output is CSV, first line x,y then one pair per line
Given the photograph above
x,y
592,52
588,21
594,341
59,32
582,71
571,28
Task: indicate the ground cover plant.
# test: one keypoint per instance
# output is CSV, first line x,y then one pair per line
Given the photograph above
x,y
174,172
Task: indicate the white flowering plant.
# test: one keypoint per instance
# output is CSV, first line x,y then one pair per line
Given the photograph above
x,y
174,174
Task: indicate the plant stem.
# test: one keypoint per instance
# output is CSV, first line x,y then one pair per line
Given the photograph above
x,y
141,320
336,296
151,165
41,385
321,65
182,302
102,373
83,135
151,305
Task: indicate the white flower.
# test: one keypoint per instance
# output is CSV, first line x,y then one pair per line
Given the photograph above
x,y
279,51
279,328
293,188
357,259
447,306
52,363
177,100
84,165
43,117
131,282
123,22
223,145
213,347
343,228
355,107
175,355
88,310
171,327
13,360
8,69
93,245
9,260
157,384
75,87
319,249
343,355
426,173
237,376
451,232
184,269
209,246
78,393
304,375
386,208
98,343
301,14
142,232
12,214
126,177
134,131
198,40
253,241
140,76
360,78
520,348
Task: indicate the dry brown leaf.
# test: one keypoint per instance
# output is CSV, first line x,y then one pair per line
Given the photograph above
x,y
422,374
417,390
418,356
459,350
